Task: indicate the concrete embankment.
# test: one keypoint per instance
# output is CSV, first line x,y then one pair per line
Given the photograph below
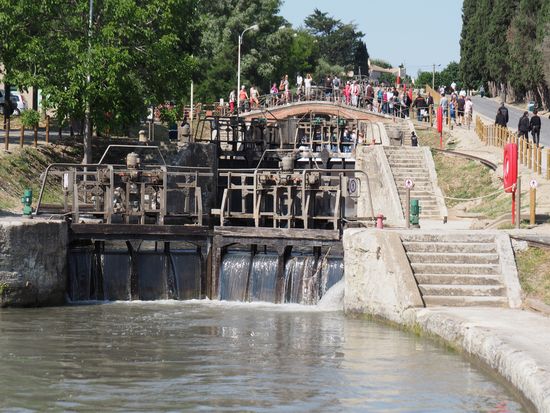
x,y
33,262
380,281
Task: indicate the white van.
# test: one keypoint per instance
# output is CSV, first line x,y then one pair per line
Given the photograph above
x,y
18,102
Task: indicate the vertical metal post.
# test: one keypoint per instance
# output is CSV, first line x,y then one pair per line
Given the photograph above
x,y
408,209
7,136
47,129
87,116
532,205
518,206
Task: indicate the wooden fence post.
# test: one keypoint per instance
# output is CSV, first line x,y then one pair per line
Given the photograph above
x,y
47,129
22,136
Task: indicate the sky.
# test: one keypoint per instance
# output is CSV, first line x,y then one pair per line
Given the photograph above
x,y
417,33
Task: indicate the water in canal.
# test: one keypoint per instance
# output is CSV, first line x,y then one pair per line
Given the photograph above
x,y
219,356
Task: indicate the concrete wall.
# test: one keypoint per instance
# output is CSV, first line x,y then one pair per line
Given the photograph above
x,y
433,177
385,198
33,262
378,277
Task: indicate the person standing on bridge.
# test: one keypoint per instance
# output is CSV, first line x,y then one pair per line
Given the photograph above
x,y
347,93
274,94
254,102
354,93
232,100
370,96
523,126
307,83
534,125
286,85
243,98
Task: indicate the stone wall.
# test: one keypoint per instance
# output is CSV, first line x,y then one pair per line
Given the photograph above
x,y
385,198
33,262
378,276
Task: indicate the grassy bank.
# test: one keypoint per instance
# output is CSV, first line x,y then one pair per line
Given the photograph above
x,y
21,169
534,273
466,179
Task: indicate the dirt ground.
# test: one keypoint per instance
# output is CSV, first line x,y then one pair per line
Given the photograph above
x,y
468,142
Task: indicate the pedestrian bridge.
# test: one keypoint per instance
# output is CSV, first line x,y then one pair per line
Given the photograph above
x,y
315,108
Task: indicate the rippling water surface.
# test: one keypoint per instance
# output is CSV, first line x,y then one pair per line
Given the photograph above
x,y
212,356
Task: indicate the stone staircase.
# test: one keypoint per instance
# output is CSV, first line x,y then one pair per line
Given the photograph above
x,y
399,133
456,269
409,162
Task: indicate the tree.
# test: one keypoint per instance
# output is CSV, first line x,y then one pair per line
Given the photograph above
x,y
340,44
135,55
497,54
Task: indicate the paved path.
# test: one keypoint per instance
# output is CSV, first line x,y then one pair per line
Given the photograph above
x,y
513,342
488,107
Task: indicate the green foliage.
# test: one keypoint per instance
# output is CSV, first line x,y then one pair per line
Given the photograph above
x,y
30,118
135,54
382,63
169,115
340,44
507,43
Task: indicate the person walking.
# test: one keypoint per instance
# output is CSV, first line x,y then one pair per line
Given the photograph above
x,y
503,110
460,104
468,111
523,126
535,125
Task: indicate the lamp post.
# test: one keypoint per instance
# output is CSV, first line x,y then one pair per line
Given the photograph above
x,y
433,75
253,27
87,116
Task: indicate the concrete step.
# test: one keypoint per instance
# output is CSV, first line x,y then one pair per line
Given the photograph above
x,y
463,290
452,237
458,279
431,268
456,247
467,301
452,258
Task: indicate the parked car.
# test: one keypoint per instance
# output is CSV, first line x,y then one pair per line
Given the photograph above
x,y
19,104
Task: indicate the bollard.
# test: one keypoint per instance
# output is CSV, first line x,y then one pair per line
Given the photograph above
x,y
7,136
532,205
415,213
380,221
529,157
22,135
548,164
26,200
47,129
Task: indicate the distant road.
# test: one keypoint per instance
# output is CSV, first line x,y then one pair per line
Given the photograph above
x,y
488,107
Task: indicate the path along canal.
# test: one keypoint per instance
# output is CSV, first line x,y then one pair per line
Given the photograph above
x,y
220,356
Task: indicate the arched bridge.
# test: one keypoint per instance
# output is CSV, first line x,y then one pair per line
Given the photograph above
x,y
297,109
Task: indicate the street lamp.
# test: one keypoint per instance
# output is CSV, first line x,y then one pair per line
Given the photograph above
x,y
433,75
254,27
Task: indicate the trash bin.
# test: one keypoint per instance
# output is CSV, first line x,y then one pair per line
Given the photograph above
x,y
531,106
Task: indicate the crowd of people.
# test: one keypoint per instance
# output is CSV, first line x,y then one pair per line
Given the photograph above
x,y
392,100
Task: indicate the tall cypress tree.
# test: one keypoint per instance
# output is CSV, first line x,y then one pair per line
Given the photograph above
x,y
497,54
